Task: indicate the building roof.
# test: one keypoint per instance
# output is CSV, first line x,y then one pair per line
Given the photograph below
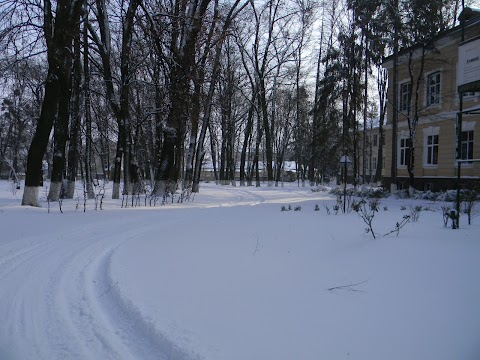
x,y
468,17
469,13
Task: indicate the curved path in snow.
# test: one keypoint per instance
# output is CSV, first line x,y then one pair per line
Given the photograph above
x,y
58,299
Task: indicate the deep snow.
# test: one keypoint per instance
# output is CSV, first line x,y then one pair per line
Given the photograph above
x,y
231,277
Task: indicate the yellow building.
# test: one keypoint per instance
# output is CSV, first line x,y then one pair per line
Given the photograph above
x,y
433,95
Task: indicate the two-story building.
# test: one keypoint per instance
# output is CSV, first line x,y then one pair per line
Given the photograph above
x,y
431,99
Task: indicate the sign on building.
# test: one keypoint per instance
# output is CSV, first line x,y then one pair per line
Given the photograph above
x,y
468,76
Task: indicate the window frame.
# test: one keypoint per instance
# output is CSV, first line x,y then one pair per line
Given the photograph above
x,y
466,126
404,151
433,88
432,150
469,144
405,97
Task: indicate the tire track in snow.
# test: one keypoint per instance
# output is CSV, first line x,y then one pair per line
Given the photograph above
x,y
144,341
60,301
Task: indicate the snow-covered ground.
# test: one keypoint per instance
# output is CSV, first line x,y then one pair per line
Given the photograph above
x,y
231,277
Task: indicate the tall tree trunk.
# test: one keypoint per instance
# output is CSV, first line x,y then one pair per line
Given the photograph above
x,y
119,102
61,133
88,115
382,80
75,118
246,140
34,174
59,33
196,107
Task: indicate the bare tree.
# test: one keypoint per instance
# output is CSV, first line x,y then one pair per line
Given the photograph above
x,y
59,29
118,97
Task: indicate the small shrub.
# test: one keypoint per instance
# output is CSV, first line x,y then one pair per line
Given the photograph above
x,y
399,225
327,208
470,199
415,212
403,208
446,214
317,208
283,208
336,208
367,212
297,208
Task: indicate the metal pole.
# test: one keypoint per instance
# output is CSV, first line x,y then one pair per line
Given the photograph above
x,y
393,175
459,156
459,131
344,182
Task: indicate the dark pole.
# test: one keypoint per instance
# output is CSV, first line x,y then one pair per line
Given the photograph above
x,y
459,131
344,182
393,184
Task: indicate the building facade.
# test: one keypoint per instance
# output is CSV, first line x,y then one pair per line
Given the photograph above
x,y
427,88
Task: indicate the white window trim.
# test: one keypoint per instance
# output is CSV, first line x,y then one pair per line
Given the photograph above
x,y
401,135
400,95
430,131
466,126
440,100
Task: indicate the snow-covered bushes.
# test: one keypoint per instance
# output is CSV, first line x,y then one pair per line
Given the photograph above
x,y
369,193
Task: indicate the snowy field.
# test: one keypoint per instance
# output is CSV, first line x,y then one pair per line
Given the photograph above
x,y
231,277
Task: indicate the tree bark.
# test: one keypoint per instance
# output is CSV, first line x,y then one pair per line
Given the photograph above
x,y
59,33
74,139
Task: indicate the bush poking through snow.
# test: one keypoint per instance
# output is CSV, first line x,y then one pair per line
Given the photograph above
x,y
336,208
415,212
367,209
367,212
297,208
317,208
446,208
399,225
470,199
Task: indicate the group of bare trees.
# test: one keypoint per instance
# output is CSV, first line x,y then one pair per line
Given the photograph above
x,y
145,92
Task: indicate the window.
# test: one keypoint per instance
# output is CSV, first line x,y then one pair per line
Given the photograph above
x,y
374,163
467,145
375,140
432,149
405,151
405,96
433,88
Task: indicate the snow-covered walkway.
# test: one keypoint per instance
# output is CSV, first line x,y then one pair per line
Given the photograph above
x,y
231,277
